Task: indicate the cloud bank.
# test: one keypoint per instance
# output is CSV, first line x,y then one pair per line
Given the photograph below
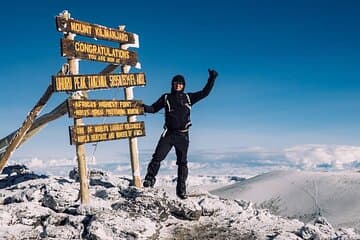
x,y
247,161
335,157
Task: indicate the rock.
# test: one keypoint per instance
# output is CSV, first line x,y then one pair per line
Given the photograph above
x,y
18,198
48,208
14,179
237,179
74,174
185,210
49,201
101,194
320,230
17,169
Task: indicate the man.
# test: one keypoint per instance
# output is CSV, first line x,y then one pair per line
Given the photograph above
x,y
177,106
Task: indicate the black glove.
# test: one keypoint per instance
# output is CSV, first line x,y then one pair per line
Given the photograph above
x,y
138,104
212,74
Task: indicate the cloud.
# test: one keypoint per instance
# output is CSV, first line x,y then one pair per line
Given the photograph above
x,y
251,157
35,163
324,156
245,162
307,157
60,166
123,168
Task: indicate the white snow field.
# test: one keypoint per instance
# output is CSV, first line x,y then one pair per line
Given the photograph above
x,y
304,195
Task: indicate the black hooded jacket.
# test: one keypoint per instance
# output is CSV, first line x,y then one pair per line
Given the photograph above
x,y
178,104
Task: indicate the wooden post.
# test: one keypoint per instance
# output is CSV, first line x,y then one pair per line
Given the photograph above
x,y
133,144
80,148
25,127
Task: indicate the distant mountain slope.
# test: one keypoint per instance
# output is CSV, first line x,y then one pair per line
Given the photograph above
x,y
303,195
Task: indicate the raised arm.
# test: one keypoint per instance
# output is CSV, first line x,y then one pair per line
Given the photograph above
x,y
155,107
197,96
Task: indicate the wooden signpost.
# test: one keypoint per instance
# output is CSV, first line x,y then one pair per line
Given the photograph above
x,y
93,82
81,108
94,52
105,132
104,108
93,30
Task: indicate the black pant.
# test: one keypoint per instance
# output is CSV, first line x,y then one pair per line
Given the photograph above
x,y
180,141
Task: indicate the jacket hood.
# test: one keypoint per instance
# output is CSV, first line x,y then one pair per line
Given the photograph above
x,y
177,78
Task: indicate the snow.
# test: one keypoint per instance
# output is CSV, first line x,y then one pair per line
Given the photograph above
x,y
303,194
36,207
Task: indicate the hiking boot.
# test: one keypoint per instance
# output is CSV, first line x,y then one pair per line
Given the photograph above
x,y
182,195
148,183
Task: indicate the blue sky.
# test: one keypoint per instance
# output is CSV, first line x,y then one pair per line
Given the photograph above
x,y
288,70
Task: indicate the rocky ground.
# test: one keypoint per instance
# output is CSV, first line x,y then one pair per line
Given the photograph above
x,y
47,207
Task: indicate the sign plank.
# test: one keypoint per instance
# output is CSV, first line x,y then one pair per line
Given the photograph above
x,y
105,132
104,108
93,30
94,52
92,82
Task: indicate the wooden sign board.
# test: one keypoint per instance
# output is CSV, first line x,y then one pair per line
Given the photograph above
x,y
105,132
92,82
94,52
104,108
93,30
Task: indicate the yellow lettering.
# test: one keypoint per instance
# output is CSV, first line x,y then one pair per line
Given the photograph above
x,y
80,28
97,82
126,80
101,58
82,112
83,139
132,126
140,78
122,134
115,81
115,112
80,130
63,83
110,59
79,82
111,135
101,129
97,112
117,127
84,104
101,51
98,137
125,104
138,132
111,34
90,129
133,111
92,56
108,104
130,133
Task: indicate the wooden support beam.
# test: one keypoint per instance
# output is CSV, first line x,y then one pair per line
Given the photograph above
x,y
25,126
133,144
